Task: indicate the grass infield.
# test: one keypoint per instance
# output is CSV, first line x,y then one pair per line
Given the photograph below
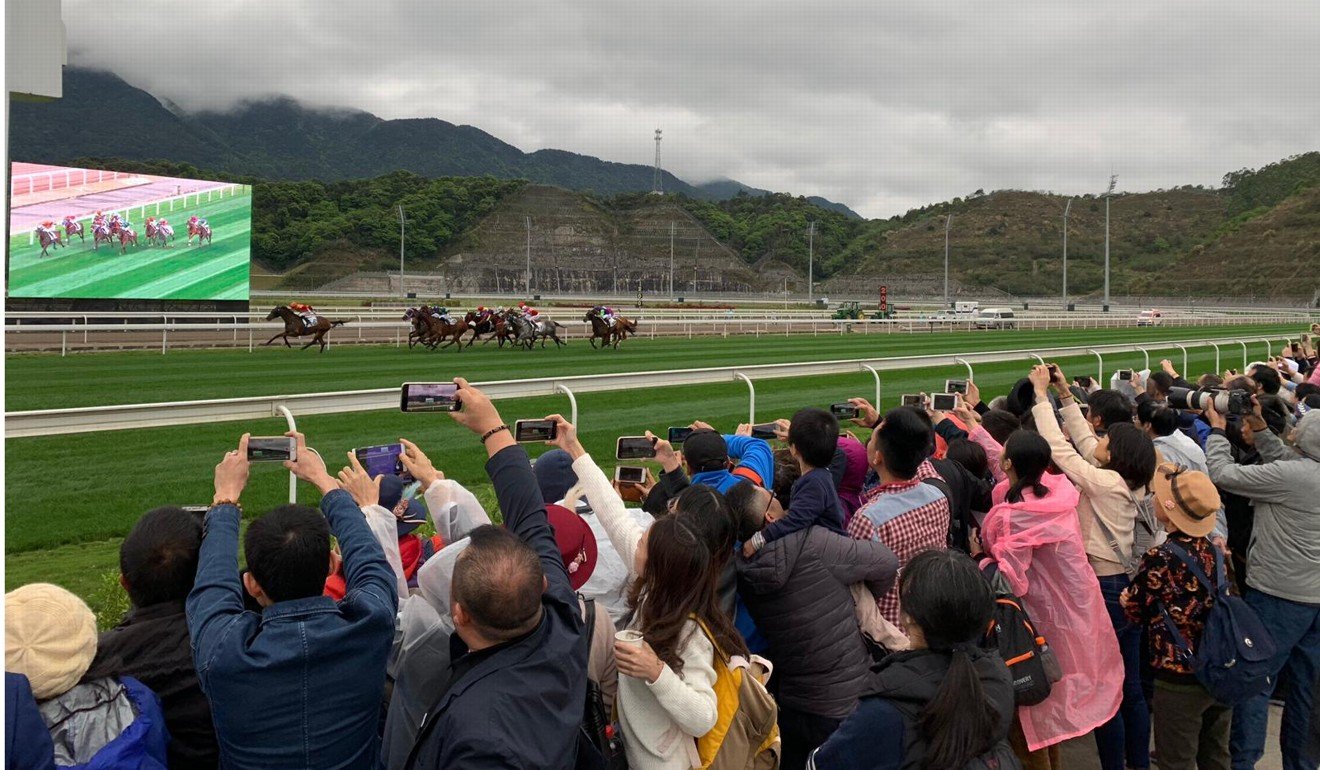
x,y
69,498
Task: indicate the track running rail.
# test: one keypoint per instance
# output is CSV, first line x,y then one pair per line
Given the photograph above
x,y
52,422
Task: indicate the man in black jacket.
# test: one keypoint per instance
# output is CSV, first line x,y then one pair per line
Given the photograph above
x,y
517,684
157,565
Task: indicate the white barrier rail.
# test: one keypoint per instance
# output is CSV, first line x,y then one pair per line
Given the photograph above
x,y
50,422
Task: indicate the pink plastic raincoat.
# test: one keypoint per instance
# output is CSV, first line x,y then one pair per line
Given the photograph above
x,y
1038,546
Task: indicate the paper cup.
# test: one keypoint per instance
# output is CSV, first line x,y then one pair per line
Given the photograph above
x,y
629,636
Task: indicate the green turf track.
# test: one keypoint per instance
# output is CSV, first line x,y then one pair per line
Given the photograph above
x,y
217,270
68,497
48,382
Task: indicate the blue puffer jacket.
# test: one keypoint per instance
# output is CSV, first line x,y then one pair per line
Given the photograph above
x,y
108,724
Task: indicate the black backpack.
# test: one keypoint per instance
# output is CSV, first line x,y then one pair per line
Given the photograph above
x,y
1233,658
1031,664
602,735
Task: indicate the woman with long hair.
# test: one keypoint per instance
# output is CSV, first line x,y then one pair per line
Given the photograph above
x,y
1117,527
666,698
945,701
1033,537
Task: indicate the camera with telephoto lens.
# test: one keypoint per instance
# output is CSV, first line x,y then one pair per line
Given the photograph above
x,y
1236,401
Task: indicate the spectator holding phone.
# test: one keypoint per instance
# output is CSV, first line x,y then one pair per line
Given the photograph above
x,y
812,441
157,567
903,513
298,684
516,693
720,461
666,698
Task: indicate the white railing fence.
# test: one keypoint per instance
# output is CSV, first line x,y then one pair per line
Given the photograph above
x,y
47,422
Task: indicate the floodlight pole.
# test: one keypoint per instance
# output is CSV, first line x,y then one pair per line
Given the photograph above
x,y
1066,208
1113,180
529,256
811,261
401,292
671,258
948,223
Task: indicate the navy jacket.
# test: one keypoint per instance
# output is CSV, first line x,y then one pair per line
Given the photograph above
x,y
298,685
813,500
27,741
518,705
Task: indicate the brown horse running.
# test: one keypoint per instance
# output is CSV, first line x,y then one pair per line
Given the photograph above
x,y
609,335
493,324
294,327
430,330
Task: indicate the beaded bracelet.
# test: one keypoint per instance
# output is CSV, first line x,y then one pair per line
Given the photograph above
x,y
492,432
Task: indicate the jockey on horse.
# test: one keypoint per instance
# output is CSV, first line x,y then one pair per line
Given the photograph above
x,y
306,312
98,220
72,227
606,314
48,235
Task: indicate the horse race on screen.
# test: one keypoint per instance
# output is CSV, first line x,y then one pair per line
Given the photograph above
x,y
100,234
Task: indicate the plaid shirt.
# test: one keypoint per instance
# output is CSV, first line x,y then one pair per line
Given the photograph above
x,y
908,517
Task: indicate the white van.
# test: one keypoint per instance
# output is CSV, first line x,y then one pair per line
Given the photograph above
x,y
966,310
995,318
1150,318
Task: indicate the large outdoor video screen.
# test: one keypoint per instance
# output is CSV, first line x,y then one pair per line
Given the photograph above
x,y
93,234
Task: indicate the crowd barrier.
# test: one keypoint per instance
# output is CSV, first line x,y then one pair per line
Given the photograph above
x,y
48,422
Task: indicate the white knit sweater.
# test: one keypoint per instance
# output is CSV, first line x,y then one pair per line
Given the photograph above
x,y
660,721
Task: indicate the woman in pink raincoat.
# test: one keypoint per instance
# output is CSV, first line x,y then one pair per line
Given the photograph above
x,y
1033,535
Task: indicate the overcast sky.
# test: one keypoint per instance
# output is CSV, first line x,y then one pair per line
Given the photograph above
x,y
883,106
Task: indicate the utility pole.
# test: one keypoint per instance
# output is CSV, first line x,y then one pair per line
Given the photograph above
x,y
1113,180
948,223
529,257
656,186
401,292
1066,208
671,258
811,261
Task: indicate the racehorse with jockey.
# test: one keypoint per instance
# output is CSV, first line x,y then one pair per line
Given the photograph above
x,y
304,311
606,314
73,227
98,220
49,236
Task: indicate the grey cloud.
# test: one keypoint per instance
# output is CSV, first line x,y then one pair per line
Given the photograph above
x,y
881,105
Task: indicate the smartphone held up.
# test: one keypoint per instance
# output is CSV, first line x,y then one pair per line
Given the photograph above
x,y
429,397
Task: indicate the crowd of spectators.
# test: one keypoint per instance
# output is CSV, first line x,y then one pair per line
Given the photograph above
x,y
967,588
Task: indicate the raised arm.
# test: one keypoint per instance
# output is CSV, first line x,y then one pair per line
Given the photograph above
x,y
454,511
624,531
216,600
516,490
756,461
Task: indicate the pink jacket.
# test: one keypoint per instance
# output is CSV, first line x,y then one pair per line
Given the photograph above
x,y
1038,545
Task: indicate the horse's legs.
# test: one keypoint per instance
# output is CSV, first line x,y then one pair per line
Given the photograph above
x,y
272,339
315,339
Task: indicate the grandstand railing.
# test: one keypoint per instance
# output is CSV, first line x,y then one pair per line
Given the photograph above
x,y
47,422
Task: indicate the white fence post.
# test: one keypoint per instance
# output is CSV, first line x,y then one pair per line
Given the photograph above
x,y
751,390
876,375
1214,345
1100,371
971,376
293,427
1269,349
1145,354
1244,356
572,403
1184,352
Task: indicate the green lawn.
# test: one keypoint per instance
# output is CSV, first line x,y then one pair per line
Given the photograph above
x,y
49,382
69,498
217,270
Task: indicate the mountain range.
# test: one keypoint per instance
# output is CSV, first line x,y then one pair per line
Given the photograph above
x,y
103,116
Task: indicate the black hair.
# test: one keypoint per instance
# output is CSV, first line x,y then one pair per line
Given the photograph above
x,y
1159,416
1000,424
1021,397
787,472
158,559
1275,411
1163,381
1209,381
748,508
1312,401
1110,406
1131,455
1267,378
815,434
498,580
1306,389
1030,454
708,514
903,439
969,455
943,593
288,552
